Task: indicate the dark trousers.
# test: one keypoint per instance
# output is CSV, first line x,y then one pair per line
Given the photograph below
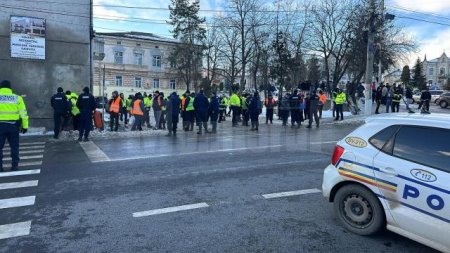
x,y
58,120
339,111
124,116
10,132
174,123
269,115
334,109
147,116
395,106
66,120
114,121
75,120
284,114
235,119
222,113
296,117
85,125
320,111
378,106
313,113
245,116
138,119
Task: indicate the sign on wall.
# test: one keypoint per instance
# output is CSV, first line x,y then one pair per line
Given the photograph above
x,y
28,37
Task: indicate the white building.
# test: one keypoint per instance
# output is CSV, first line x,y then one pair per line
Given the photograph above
x,y
136,62
437,70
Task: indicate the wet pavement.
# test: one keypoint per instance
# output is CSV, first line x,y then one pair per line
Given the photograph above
x,y
237,191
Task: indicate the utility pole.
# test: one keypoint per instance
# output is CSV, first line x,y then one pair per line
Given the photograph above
x,y
370,60
380,48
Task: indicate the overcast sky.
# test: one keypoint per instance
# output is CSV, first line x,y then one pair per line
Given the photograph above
x,y
433,38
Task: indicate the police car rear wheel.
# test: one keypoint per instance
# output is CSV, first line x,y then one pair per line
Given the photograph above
x,y
359,210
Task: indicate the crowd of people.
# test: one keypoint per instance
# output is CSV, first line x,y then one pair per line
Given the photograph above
x,y
75,112
205,112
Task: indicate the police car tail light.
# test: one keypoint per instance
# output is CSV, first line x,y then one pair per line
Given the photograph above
x,y
337,153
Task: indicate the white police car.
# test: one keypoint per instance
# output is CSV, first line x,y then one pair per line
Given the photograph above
x,y
394,172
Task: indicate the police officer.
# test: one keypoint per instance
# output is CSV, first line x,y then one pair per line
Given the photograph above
x,y
341,98
86,103
13,114
61,108
296,114
313,109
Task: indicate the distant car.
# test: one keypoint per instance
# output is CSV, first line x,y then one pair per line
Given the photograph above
x,y
434,96
394,172
444,100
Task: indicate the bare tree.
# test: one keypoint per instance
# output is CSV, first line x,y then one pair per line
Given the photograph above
x,y
331,35
212,54
241,19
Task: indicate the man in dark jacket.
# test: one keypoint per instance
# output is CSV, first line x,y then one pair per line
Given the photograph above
x,y
157,108
201,105
284,109
378,97
86,103
254,109
313,109
296,115
213,112
173,110
425,98
61,109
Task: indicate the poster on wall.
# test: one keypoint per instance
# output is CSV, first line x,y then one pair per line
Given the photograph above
x,y
28,37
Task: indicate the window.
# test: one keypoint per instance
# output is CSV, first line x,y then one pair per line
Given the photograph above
x,y
156,61
424,145
119,42
381,138
173,64
173,84
155,83
138,82
138,58
431,71
118,57
119,81
442,71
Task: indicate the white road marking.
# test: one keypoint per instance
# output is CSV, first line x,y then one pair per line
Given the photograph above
x,y
15,185
170,210
30,151
28,143
21,164
25,157
192,153
15,229
25,148
17,202
94,153
19,173
290,193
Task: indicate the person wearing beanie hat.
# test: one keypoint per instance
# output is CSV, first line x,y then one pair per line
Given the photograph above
x,y
86,104
61,109
13,116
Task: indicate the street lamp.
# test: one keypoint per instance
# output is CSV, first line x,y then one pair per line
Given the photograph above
x,y
99,55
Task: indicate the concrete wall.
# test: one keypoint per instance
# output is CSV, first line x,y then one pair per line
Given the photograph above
x,y
67,62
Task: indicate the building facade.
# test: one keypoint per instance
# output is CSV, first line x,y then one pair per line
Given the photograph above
x,y
437,70
136,62
44,45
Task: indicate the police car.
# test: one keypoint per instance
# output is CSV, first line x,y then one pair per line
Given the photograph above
x,y
394,172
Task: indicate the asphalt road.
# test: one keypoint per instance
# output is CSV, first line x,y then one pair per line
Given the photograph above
x,y
112,195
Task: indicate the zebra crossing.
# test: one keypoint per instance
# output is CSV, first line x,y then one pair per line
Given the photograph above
x,y
17,187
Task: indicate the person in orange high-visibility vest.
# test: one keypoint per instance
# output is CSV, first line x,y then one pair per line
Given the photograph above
x,y
323,101
114,108
137,110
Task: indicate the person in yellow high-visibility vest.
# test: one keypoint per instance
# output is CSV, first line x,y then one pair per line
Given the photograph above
x,y
13,120
235,105
340,99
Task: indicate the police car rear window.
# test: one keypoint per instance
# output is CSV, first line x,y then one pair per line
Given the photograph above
x,y
381,138
424,145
